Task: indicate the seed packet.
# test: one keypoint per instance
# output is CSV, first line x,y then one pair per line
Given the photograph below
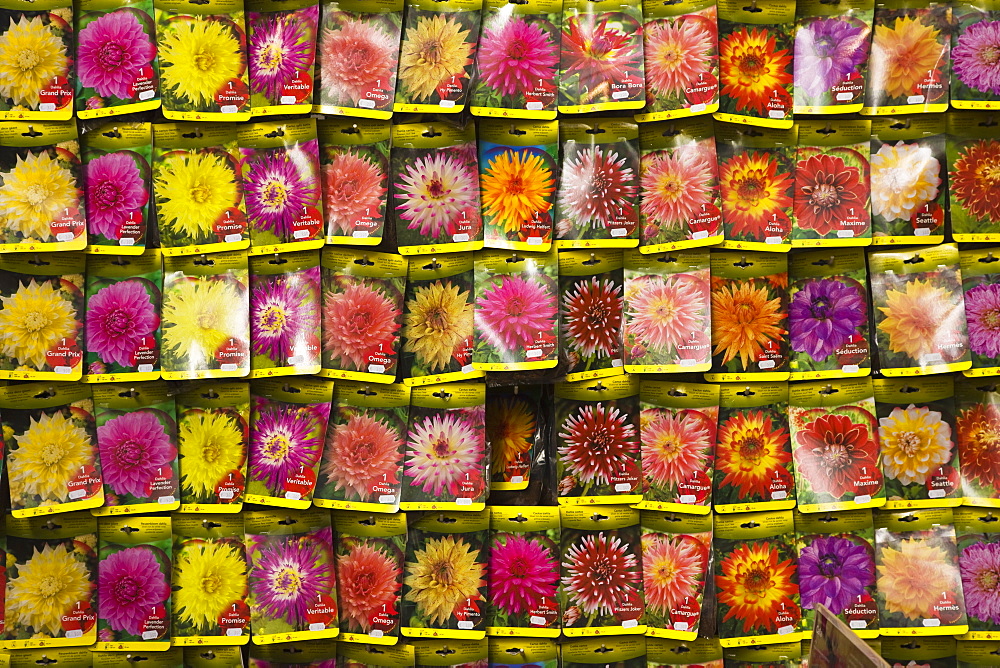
x,y
678,283
436,56
597,441
281,55
438,320
601,585
971,653
198,186
43,478
358,57
977,424
362,464
749,317
756,37
978,546
51,581
834,436
213,430
137,439
599,183
836,557
516,433
451,653
354,173
68,657
517,60
931,652
916,435
117,70
753,453
41,185
213,657
972,75
919,311
400,655
41,316
281,185
523,652
122,327
775,655
832,175
670,653
756,179
292,578
205,316
918,579
591,304
170,658
362,314
757,578
678,435
980,281
288,423
628,651
679,180
908,69
117,180
36,55
446,465
453,606
676,553
203,60
828,314
831,56
369,558
908,172
610,76
973,141
517,304
209,581
302,654
285,314
133,584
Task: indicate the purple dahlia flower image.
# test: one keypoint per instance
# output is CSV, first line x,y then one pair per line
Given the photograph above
x,y
834,571
974,58
823,315
980,567
826,51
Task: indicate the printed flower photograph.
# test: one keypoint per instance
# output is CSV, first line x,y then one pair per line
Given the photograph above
x,y
907,187
200,56
909,56
117,195
362,318
757,189
758,586
445,455
285,319
919,456
354,181
677,451
979,564
970,180
756,70
674,574
285,440
682,60
835,570
828,322
517,60
122,324
517,314
37,315
831,193
598,191
601,54
36,52
598,447
280,185
590,320
668,319
281,52
982,317
518,187
436,55
830,52
601,577
444,578
512,433
524,579
133,590
363,454
753,456
679,193
41,193
212,445
749,325
116,60
977,426
138,454
209,579
369,583
438,324
358,55
975,75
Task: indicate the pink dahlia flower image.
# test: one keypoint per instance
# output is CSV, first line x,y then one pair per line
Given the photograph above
x,y
368,582
284,439
664,311
288,574
115,188
511,314
280,185
119,316
110,53
134,449
355,58
279,48
360,453
514,55
130,585
597,187
435,193
356,321
353,188
442,449
523,571
283,311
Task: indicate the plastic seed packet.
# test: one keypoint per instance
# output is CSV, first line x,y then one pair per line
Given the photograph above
x,y
436,56
362,464
917,574
133,584
836,557
203,60
518,653
445,576
137,439
980,284
288,423
934,652
977,422
756,579
357,655
834,436
198,188
285,314
779,655
45,479
591,305
523,573
122,326
213,431
354,173
446,465
908,170
213,657
453,653
676,553
831,56
919,311
169,658
756,179
917,437
369,558
671,653
302,654
281,55
292,577
978,546
908,69
36,54
601,584
678,434
971,653
51,581
438,320
828,315
628,651
41,316
597,441
973,84
118,182
598,194
517,309
601,56
972,143
516,433
518,60
753,454
679,183
204,319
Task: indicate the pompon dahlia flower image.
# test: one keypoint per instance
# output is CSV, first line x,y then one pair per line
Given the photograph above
x,y
199,55
358,59
598,447
285,318
444,574
598,189
982,316
120,318
138,449
444,449
601,576
599,50
979,563
132,582
517,56
590,319
676,446
828,51
757,583
437,195
917,572
354,186
970,180
515,314
46,580
361,316
35,317
33,53
523,576
836,455
279,185
751,453
369,581
904,178
285,438
210,576
281,49
193,191
681,53
835,571
915,442
363,449
756,65
978,429
436,56
113,50
116,186
757,189
905,47
674,570
438,323
824,314
36,191
212,444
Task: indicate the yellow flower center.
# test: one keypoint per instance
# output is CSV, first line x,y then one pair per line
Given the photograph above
x,y
992,318
52,454
211,452
288,581
201,192
988,580
430,54
990,172
207,320
990,55
909,442
49,586
27,59
670,187
35,321
275,195
36,194
211,583
442,574
273,319
205,61
664,572
276,448
669,446
437,318
671,56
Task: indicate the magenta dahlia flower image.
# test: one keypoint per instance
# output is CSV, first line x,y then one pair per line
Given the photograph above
x,y
979,564
523,574
138,449
132,586
514,316
281,50
280,185
120,317
285,439
973,58
518,57
824,314
982,308
116,188
285,318
444,449
112,52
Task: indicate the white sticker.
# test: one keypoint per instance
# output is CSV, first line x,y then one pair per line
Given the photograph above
x,y
776,113
850,368
228,367
536,620
467,368
295,359
234,632
927,622
149,635
366,104
226,494
75,633
777,496
619,95
317,626
765,364
617,363
623,487
360,234
63,369
772,240
64,236
844,97
459,238
287,99
466,625
376,633
630,623
687,361
147,94
688,498
619,232
680,626
126,241
533,106
700,234
293,496
915,99
922,232
229,108
447,104
48,106
933,358
300,234
517,479
387,498
376,368
233,238
935,493
859,624
463,501
698,108
864,498
165,500
532,353
534,241
845,234
784,630
78,494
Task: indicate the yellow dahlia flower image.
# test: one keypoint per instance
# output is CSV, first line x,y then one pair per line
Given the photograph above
x,y
34,193
193,191
33,320
199,316
197,57
50,453
211,445
46,587
443,575
208,578
435,50
31,56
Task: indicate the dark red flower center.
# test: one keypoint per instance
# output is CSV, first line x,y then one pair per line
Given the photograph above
x,y
107,195
129,453
442,447
127,590
757,579
435,188
519,567
988,580
824,195
753,64
990,55
516,49
751,448
600,442
516,307
111,55
117,322
602,572
750,189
